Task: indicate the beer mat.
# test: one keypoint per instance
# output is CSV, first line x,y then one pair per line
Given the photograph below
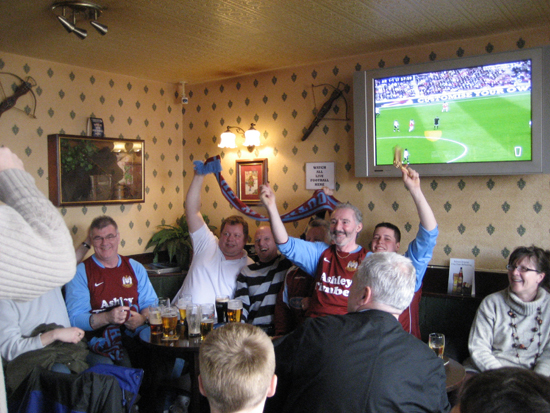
x,y
170,339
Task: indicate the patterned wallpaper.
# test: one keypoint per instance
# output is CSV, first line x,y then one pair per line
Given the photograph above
x,y
483,218
130,108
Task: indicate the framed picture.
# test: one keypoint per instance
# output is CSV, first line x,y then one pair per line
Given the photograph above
x,y
84,170
250,175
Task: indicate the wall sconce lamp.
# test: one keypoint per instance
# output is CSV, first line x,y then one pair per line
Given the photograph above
x,y
87,10
251,137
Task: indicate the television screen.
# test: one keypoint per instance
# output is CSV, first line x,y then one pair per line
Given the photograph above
x,y
480,115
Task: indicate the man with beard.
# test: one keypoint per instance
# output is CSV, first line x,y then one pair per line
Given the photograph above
x,y
258,284
333,266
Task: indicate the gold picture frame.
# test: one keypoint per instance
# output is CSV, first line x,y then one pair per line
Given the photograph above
x,y
85,170
250,175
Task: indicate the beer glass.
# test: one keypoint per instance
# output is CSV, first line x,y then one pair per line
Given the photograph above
x,y
155,320
208,318
163,302
193,317
437,343
169,323
221,308
182,304
234,311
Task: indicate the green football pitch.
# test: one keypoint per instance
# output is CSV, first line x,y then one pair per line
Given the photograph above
x,y
495,128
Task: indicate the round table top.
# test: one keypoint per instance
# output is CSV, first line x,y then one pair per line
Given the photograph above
x,y
455,373
182,344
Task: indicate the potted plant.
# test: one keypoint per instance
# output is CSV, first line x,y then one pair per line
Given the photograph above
x,y
176,240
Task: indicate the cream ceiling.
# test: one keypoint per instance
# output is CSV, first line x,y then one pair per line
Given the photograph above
x,y
201,40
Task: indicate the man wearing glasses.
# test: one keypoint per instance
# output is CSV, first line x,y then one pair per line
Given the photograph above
x,y
110,295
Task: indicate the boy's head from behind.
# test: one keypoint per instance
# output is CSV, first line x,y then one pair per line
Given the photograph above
x,y
237,365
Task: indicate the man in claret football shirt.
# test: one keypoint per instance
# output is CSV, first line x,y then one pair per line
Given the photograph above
x,y
110,295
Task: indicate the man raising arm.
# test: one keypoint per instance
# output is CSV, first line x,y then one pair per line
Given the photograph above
x,y
216,262
332,266
387,237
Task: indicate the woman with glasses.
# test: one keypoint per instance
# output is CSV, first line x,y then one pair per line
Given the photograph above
x,y
512,326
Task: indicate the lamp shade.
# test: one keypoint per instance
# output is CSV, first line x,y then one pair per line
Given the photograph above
x,y
227,140
252,137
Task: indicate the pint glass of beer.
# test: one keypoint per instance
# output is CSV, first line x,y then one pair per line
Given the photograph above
x,y
234,311
221,308
437,343
169,323
194,316
163,302
155,321
208,319
182,304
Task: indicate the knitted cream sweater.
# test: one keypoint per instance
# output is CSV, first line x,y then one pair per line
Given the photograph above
x,y
36,249
491,340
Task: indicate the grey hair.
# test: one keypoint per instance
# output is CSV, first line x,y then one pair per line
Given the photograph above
x,y
346,205
391,278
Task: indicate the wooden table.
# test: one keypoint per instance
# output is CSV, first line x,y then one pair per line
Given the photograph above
x,y
187,349
455,374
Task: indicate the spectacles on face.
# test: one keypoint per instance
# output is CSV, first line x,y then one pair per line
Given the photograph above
x,y
108,238
520,268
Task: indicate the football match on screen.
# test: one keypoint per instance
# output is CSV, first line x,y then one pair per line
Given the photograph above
x,y
474,114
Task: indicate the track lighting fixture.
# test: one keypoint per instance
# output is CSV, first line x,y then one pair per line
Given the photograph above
x,y
81,10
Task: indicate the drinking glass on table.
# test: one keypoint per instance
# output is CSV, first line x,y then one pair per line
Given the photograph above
x,y
163,302
234,311
221,308
436,342
208,318
182,304
155,319
169,323
194,316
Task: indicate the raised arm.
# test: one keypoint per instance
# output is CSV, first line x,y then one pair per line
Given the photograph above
x,y
425,213
193,203
267,197
37,248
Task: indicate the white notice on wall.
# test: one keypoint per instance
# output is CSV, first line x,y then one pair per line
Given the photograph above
x,y
462,277
320,174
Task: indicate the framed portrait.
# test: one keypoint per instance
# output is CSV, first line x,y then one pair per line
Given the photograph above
x,y
85,170
250,175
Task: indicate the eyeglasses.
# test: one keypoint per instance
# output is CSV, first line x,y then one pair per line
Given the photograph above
x,y
520,268
99,239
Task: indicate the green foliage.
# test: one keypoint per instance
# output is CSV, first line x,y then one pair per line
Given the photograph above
x,y
77,156
176,240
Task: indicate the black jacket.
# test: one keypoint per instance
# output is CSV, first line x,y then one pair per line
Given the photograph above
x,y
357,363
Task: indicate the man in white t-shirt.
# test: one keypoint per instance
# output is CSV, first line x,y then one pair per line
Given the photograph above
x,y
216,262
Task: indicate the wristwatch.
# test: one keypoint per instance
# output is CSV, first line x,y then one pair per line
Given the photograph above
x,y
86,245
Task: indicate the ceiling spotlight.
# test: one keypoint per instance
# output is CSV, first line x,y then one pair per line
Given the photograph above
x,y
66,24
81,10
80,33
101,28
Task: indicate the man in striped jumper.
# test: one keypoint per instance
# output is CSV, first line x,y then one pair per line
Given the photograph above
x,y
258,284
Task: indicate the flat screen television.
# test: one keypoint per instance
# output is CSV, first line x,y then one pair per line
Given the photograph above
x,y
482,115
